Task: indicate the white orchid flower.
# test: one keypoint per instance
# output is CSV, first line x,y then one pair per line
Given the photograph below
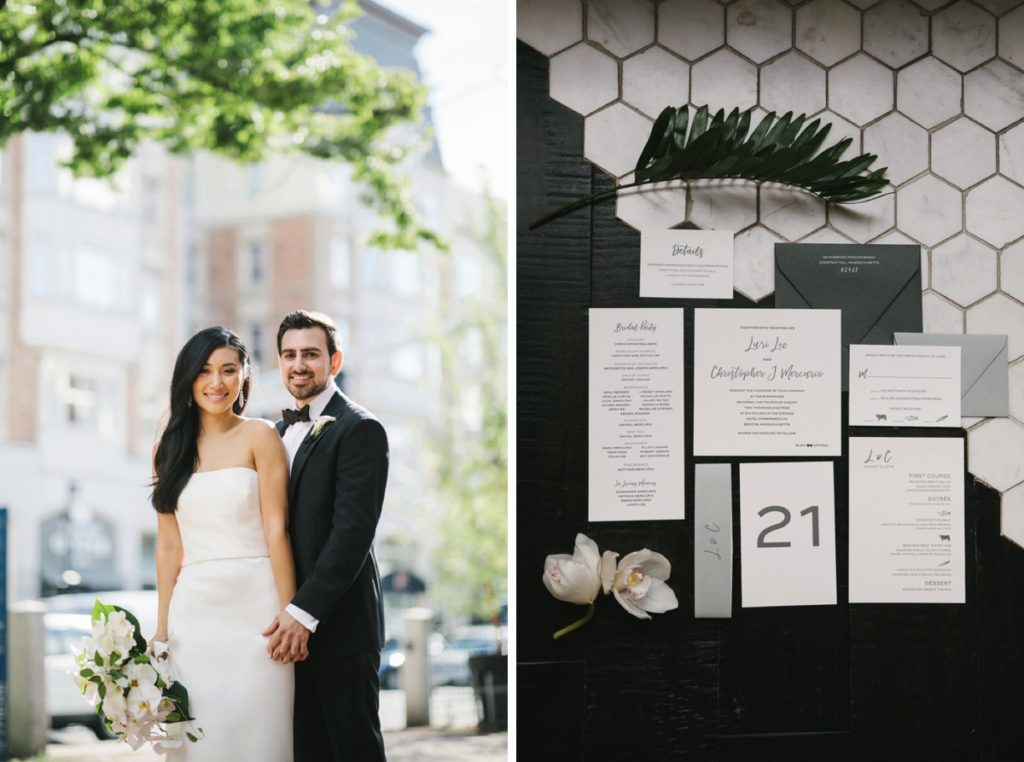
x,y
115,706
638,582
144,701
575,578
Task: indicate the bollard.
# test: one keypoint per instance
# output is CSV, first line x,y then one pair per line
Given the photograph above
x,y
414,677
29,721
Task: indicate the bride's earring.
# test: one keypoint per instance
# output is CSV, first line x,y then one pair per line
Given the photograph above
x,y
241,399
190,399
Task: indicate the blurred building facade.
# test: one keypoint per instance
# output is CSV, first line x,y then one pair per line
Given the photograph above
x,y
99,290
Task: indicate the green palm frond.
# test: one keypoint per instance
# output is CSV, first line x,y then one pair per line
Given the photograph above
x,y
779,150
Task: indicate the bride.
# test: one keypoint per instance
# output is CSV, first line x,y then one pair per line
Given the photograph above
x,y
224,563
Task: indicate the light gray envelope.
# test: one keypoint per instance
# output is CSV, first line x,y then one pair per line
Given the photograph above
x,y
984,369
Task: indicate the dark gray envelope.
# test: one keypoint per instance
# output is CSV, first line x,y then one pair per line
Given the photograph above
x,y
984,372
877,287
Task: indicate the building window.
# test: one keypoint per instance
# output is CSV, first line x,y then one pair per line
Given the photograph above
x,y
374,274
80,401
41,163
254,179
341,262
405,272
256,350
257,262
41,269
95,279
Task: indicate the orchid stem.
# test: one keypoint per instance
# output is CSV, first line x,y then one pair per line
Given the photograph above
x,y
578,623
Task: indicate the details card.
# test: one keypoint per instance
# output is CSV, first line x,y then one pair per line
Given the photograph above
x,y
686,264
637,427
906,520
766,382
787,534
904,385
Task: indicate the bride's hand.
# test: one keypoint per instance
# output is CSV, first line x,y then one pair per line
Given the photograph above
x,y
157,645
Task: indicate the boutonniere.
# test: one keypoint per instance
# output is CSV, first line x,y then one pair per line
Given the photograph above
x,y
321,423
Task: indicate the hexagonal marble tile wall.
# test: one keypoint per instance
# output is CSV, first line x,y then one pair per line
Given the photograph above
x,y
655,79
827,30
620,26
963,35
759,29
935,88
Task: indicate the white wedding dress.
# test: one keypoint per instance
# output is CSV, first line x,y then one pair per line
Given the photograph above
x,y
224,599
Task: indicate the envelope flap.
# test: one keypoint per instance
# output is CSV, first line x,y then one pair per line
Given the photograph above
x,y
978,351
864,281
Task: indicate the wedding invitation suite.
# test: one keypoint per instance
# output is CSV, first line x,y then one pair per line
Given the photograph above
x,y
906,520
877,287
637,432
686,264
787,534
904,386
766,382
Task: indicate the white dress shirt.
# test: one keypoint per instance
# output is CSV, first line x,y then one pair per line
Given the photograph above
x,y
292,439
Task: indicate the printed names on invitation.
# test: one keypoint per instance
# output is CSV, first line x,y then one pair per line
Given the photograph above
x,y
637,429
766,382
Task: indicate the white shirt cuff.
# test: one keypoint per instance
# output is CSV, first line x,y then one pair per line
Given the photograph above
x,y
304,619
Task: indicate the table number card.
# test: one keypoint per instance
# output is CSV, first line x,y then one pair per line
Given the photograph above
x,y
637,427
787,534
906,520
686,264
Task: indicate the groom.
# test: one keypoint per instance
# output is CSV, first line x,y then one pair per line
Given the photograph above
x,y
339,466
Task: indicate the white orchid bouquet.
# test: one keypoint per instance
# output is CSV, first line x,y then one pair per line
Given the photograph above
x,y
637,581
133,688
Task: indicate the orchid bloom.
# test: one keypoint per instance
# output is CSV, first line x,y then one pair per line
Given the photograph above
x,y
575,578
638,582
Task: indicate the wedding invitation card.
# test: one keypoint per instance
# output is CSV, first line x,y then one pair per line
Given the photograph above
x,y
904,386
637,428
877,287
787,534
686,264
766,382
906,520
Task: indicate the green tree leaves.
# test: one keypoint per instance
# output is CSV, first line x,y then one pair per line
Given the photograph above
x,y
237,77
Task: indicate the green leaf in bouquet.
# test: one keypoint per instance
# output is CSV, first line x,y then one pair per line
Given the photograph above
x,y
100,610
86,672
102,689
179,695
98,658
785,150
191,737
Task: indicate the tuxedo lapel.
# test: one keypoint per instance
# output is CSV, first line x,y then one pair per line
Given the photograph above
x,y
336,407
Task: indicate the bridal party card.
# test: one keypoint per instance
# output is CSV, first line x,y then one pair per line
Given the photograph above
x,y
877,287
636,414
904,385
906,520
766,382
787,534
686,264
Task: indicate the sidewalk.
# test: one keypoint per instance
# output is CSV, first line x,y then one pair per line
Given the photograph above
x,y
411,745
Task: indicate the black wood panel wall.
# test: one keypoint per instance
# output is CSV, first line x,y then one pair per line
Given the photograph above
x,y
864,682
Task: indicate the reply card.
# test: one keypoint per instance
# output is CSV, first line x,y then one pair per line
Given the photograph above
x,y
637,433
766,382
787,534
906,520
904,385
686,264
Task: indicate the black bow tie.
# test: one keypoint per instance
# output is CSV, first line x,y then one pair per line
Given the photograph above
x,y
294,416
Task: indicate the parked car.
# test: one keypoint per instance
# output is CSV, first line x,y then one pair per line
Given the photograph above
x,y
64,701
141,603
451,666
392,657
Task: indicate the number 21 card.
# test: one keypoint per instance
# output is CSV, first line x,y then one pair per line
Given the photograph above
x,y
787,534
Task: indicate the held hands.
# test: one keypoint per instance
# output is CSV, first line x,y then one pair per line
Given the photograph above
x,y
288,639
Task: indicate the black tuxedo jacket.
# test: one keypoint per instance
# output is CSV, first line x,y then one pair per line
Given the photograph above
x,y
335,495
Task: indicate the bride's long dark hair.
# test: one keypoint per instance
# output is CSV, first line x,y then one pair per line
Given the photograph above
x,y
177,454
